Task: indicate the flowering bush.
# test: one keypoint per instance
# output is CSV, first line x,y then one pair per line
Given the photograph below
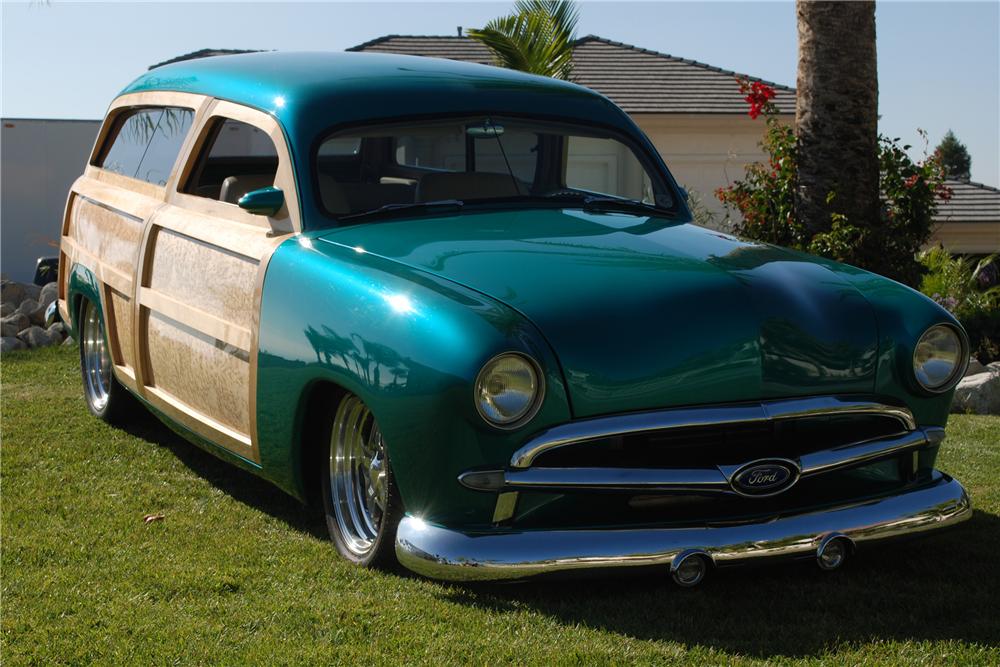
x,y
970,292
765,200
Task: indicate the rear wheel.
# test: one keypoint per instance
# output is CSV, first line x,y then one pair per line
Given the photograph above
x,y
105,397
359,491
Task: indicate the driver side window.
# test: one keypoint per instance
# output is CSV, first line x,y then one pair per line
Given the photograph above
x,y
235,159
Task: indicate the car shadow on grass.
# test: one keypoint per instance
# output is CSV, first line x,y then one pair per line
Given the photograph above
x,y
940,587
242,486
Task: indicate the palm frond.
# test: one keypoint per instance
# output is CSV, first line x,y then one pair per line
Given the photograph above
x,y
537,38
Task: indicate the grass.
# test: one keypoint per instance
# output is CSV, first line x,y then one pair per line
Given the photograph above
x,y
238,573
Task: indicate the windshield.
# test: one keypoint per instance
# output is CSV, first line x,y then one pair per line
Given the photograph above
x,y
404,167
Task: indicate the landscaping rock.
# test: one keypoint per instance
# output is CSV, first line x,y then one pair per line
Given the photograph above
x,y
8,308
57,329
36,336
12,291
10,343
33,310
974,367
31,291
48,294
14,324
979,393
69,342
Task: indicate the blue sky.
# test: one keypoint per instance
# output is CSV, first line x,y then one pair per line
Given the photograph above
x,y
939,62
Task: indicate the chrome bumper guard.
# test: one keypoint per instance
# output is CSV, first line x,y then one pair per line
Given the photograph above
x,y
507,554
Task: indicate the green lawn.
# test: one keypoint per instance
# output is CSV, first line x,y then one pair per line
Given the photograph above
x,y
238,573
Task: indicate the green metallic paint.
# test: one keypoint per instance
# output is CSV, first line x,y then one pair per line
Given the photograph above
x,y
410,345
645,313
82,284
265,201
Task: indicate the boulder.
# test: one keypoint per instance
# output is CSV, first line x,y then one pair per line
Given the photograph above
x,y
13,291
14,324
979,393
57,329
33,310
974,367
48,294
36,336
7,308
10,343
32,291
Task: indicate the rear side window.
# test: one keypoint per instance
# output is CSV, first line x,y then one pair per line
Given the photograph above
x,y
236,159
144,143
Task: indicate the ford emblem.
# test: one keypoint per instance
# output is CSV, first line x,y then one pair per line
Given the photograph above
x,y
765,478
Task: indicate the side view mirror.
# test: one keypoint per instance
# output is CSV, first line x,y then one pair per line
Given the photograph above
x,y
266,201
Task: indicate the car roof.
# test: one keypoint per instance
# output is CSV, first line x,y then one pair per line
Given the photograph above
x,y
311,91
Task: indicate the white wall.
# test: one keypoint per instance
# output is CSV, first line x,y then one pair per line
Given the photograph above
x,y
705,152
39,160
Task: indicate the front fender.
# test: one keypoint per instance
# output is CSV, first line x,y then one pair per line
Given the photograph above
x,y
410,346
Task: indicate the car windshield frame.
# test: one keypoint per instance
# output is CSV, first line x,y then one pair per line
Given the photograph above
x,y
661,181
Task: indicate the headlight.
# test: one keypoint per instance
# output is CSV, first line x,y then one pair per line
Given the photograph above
x,y
939,358
508,390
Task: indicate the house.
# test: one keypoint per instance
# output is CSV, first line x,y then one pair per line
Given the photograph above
x,y
969,222
694,113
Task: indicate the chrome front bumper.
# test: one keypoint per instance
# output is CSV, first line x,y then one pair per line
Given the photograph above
x,y
508,554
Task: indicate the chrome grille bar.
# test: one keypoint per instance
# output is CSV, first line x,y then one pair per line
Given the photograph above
x,y
586,430
521,476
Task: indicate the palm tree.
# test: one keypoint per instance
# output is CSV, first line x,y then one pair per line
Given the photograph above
x,y
836,114
537,38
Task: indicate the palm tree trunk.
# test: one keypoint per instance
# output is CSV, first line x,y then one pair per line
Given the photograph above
x,y
836,113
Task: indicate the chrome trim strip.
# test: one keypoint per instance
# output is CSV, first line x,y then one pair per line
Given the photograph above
x,y
855,454
597,428
628,479
440,553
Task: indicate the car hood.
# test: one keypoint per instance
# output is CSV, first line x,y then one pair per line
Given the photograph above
x,y
645,313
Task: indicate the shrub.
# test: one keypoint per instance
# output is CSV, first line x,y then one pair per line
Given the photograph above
x,y
765,199
967,289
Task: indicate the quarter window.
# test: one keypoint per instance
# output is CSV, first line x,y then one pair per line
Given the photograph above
x,y
144,143
237,158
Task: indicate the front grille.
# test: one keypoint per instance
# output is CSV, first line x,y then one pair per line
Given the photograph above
x,y
722,444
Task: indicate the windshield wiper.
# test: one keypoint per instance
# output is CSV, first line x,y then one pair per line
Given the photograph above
x,y
436,206
598,203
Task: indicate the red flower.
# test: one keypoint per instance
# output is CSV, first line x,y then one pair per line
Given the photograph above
x,y
912,180
758,95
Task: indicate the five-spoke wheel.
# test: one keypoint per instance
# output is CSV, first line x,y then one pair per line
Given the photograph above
x,y
359,496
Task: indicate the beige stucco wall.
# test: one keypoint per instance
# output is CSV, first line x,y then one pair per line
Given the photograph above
x,y
973,238
705,152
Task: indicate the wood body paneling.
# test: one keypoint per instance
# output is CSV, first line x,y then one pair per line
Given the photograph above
x,y
180,278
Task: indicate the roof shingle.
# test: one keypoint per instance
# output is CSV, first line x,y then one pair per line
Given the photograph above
x,y
638,80
970,202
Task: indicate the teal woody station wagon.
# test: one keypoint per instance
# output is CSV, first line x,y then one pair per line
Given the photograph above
x,y
465,310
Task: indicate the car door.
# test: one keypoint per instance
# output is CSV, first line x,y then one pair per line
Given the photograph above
x,y
125,182
200,273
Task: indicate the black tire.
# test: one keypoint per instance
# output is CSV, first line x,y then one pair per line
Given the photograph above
x,y
105,397
360,499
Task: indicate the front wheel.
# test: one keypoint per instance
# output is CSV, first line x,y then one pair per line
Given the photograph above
x,y
105,397
359,493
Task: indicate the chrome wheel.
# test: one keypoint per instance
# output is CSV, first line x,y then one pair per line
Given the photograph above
x,y
359,486
95,358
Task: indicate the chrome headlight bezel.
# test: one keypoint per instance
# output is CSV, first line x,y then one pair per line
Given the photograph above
x,y
956,373
533,405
